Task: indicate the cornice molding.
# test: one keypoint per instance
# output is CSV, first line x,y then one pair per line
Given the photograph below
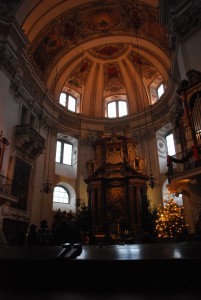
x,y
8,8
184,19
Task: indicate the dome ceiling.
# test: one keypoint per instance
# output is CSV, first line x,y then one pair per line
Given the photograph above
x,y
98,50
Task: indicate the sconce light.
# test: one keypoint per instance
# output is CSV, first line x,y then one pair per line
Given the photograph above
x,y
47,187
152,181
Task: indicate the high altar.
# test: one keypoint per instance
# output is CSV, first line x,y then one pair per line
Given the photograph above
x,y
116,182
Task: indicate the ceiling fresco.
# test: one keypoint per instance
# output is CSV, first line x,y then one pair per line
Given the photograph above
x,y
74,27
101,19
101,49
145,68
113,79
77,78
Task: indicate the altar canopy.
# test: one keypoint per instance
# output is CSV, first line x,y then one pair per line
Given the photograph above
x,y
116,182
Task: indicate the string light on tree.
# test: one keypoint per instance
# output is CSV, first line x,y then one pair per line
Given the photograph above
x,y
170,222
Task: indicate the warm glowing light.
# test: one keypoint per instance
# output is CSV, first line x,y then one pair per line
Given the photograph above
x,y
170,223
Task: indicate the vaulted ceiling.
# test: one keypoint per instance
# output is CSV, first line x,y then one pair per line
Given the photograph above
x,y
98,50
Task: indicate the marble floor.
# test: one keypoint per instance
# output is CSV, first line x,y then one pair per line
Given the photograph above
x,y
138,271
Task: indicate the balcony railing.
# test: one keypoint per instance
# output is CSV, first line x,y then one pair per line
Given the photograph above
x,y
6,190
186,161
29,141
5,185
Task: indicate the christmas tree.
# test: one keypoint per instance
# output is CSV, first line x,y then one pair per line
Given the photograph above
x,y
170,222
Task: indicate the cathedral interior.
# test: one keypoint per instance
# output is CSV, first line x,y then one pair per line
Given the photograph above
x,y
90,93
100,152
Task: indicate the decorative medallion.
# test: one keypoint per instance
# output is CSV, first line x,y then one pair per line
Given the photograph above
x,y
109,51
161,145
101,19
50,45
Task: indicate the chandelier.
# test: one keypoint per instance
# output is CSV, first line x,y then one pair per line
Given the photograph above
x,y
47,186
151,180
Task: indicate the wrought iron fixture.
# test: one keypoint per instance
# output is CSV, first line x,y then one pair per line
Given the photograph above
x,y
152,181
78,199
47,186
3,144
150,178
78,202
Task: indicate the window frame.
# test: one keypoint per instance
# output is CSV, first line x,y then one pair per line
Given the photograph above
x,y
67,101
117,110
61,160
64,190
159,96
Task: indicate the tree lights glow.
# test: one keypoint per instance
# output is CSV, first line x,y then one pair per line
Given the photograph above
x,y
170,222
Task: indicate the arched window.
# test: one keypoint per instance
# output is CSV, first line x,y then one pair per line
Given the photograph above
x,y
157,89
64,152
61,195
68,101
117,108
